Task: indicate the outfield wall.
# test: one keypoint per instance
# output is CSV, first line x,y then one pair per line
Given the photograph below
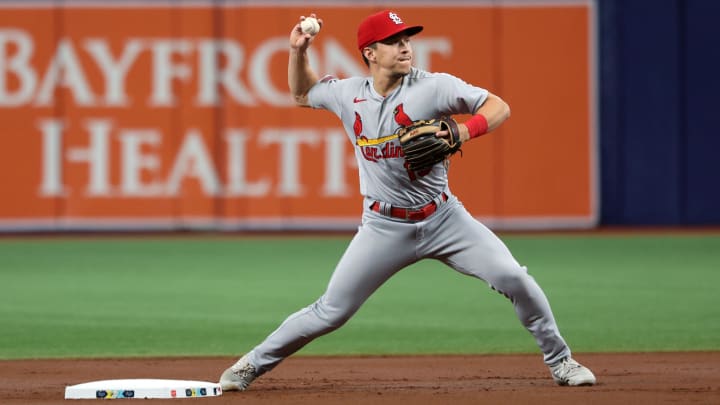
x,y
660,126
141,115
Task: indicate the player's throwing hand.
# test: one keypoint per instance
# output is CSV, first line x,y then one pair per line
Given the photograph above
x,y
299,39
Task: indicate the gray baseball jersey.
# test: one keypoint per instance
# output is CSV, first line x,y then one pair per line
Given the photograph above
x,y
387,242
371,119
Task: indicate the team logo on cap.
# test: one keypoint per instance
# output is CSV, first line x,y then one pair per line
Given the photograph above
x,y
396,18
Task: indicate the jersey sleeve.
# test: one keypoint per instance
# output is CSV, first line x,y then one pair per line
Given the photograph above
x,y
458,97
324,94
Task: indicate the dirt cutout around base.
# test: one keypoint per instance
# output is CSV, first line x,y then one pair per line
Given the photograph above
x,y
628,378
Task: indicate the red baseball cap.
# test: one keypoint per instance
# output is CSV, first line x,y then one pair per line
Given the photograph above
x,y
379,26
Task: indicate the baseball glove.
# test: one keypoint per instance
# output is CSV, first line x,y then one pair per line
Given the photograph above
x,y
422,149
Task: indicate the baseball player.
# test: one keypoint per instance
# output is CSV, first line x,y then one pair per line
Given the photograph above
x,y
408,215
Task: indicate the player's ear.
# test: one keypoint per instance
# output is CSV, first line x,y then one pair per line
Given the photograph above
x,y
369,53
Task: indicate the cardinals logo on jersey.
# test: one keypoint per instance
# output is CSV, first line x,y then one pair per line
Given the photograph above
x,y
401,117
369,149
390,149
369,153
357,125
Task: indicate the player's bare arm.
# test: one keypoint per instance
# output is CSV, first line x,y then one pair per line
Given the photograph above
x,y
301,77
494,110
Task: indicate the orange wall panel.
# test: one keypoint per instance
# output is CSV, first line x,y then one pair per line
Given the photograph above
x,y
183,115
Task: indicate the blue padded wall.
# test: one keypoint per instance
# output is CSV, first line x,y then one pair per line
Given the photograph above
x,y
659,137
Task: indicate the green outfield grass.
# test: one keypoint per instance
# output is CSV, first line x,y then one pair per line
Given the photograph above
x,y
204,295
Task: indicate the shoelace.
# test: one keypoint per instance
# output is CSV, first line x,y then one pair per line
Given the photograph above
x,y
566,366
247,373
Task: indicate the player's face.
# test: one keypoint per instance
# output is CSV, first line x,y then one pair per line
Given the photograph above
x,y
395,53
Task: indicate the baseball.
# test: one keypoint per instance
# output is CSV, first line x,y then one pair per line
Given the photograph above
x,y
310,26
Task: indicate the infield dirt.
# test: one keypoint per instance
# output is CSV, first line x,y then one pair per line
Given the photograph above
x,y
628,378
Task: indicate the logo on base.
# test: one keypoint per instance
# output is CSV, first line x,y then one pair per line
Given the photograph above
x,y
114,394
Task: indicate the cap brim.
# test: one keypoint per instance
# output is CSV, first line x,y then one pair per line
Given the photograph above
x,y
407,30
415,29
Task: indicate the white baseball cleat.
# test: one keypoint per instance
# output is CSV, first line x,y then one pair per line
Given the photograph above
x,y
569,372
239,376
